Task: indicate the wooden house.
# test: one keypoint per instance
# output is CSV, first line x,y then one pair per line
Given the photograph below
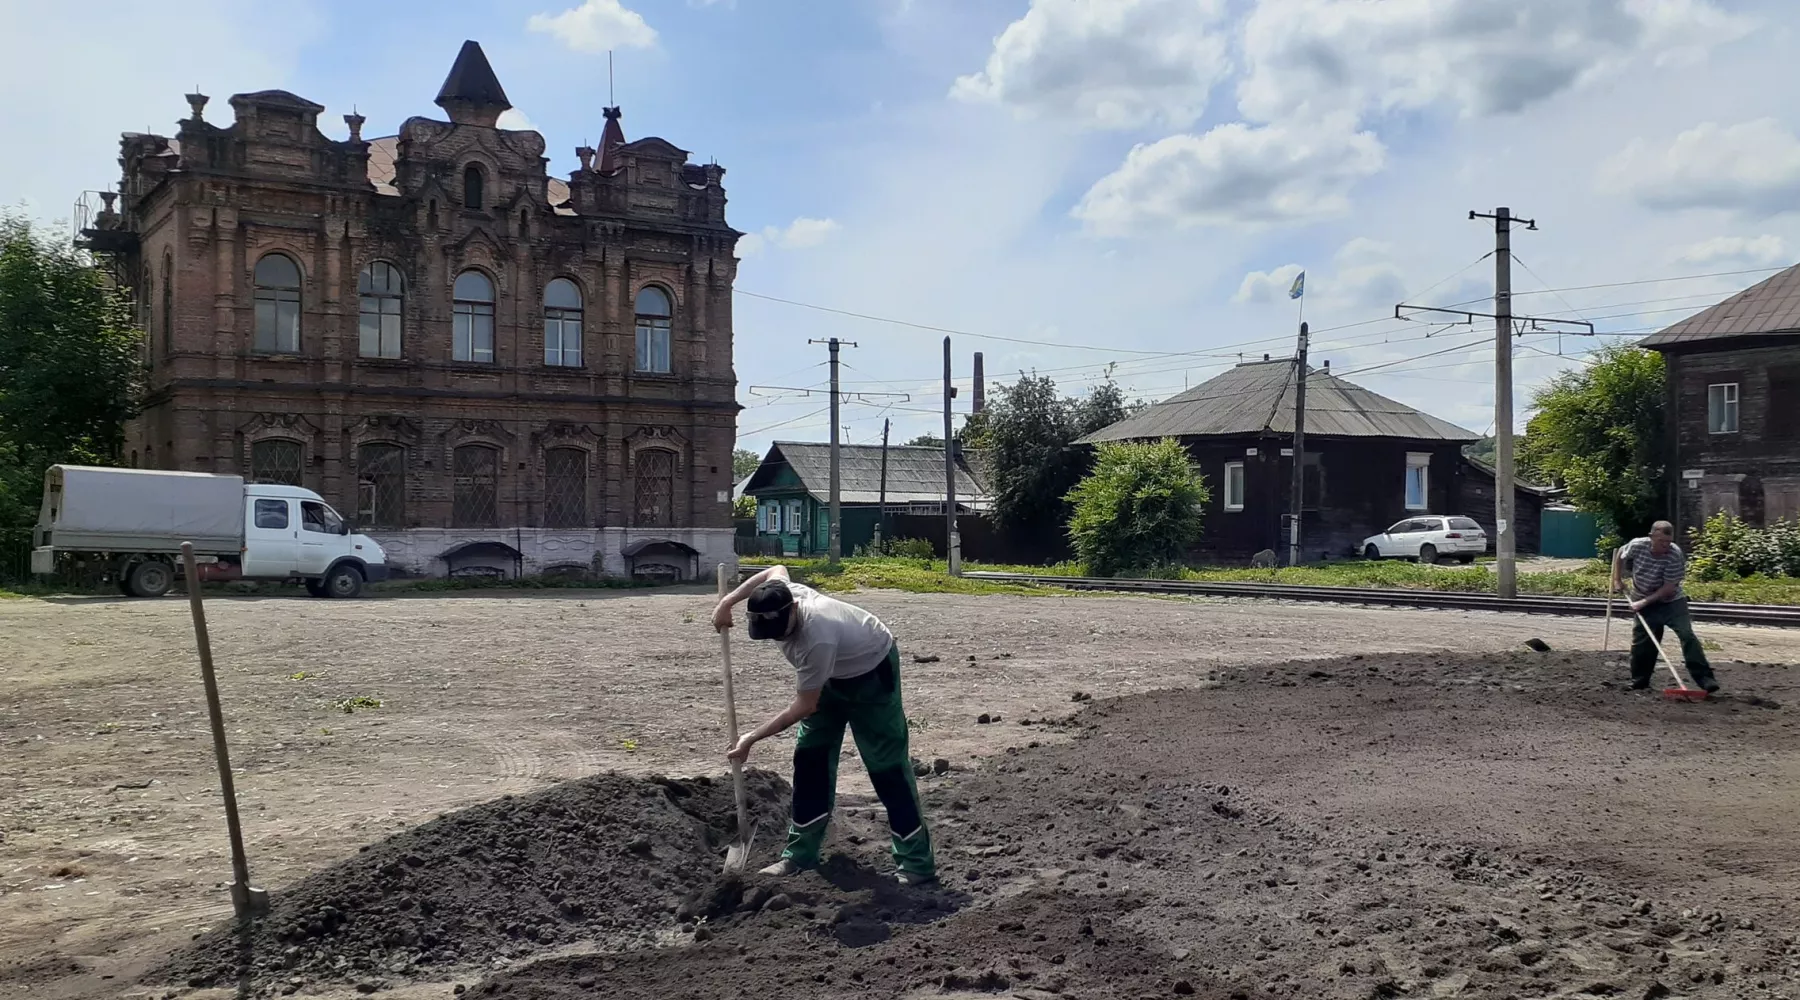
x,y
1733,406
1370,461
792,488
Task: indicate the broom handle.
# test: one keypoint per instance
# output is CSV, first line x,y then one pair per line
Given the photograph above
x,y
1661,651
737,769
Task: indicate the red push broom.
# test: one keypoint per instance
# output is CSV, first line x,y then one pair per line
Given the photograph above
x,y
1682,691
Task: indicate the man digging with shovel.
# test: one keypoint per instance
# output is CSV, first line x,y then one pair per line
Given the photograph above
x,y
1657,566
848,671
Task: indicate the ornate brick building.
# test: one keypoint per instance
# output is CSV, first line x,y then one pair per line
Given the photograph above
x,y
490,369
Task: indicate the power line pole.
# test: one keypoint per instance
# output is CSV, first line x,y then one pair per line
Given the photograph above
x,y
1298,503
1505,548
835,529
881,507
952,544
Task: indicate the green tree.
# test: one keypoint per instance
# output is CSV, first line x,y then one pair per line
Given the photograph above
x,y
743,462
1031,458
744,507
69,369
1598,431
926,441
1139,508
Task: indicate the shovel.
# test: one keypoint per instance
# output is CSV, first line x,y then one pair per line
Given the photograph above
x,y
738,854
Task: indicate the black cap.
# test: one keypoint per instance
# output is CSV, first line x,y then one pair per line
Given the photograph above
x,y
769,609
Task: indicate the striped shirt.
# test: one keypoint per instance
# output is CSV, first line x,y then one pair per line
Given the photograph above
x,y
1650,571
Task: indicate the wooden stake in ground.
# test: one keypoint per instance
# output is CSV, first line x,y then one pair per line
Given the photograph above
x,y
245,900
738,854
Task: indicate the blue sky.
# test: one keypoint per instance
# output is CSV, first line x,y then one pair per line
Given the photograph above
x,y
1112,180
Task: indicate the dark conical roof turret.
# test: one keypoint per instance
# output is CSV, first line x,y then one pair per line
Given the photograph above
x,y
472,93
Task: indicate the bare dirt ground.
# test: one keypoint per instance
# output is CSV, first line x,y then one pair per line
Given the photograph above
x,y
1520,802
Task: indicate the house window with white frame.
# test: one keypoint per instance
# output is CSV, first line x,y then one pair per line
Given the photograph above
x,y
1234,486
1418,480
1722,408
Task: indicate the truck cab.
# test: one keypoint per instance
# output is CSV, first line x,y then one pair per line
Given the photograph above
x,y
292,533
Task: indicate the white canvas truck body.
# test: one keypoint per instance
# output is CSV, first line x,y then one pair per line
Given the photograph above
x,y
133,521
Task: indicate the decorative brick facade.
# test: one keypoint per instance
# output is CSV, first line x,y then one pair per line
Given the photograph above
x,y
467,356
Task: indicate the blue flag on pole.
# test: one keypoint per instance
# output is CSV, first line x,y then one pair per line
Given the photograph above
x,y
1299,286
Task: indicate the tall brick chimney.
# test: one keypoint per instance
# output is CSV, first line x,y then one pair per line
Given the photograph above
x,y
980,383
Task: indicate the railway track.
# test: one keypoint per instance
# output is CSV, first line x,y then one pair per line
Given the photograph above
x,y
1776,616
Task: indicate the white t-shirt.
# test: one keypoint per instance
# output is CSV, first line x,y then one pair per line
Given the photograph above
x,y
835,640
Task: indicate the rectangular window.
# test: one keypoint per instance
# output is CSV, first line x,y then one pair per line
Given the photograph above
x,y
562,338
474,486
1722,408
474,332
794,524
1418,480
320,519
380,326
272,514
655,469
653,346
1234,486
278,322
565,488
381,486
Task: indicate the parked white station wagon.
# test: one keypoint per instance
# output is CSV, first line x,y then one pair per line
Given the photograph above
x,y
1429,538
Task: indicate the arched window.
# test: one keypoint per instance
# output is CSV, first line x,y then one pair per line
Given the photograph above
x,y
562,324
277,305
168,304
474,317
475,483
276,460
653,315
381,486
654,470
472,187
565,488
383,292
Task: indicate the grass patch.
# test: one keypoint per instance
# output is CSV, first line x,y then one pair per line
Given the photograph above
x,y
1590,580
356,702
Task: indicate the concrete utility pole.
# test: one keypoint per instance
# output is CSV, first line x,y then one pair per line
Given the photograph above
x,y
1298,503
881,507
1505,547
1505,536
952,543
835,529
980,397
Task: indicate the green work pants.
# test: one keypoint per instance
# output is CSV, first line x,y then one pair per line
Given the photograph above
x,y
870,706
1671,615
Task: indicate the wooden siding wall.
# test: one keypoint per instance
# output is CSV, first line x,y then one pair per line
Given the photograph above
x,y
1757,469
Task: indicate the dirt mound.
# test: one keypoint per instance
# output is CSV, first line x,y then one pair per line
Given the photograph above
x,y
607,858
1367,827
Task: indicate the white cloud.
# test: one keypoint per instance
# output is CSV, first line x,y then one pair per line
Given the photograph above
x,y
801,234
1766,249
597,26
1264,287
1234,175
515,120
1117,64
1482,57
1751,167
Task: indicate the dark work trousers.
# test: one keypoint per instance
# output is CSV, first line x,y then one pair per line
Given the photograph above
x,y
1671,615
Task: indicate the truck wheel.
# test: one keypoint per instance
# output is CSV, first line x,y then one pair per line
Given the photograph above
x,y
151,578
343,582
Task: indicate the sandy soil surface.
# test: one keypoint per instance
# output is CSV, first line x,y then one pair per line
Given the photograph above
x,y
114,855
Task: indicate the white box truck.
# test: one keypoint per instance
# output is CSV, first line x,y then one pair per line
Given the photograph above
x,y
133,521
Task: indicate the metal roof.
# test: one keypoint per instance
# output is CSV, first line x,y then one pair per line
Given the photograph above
x,y
1770,307
913,473
1258,397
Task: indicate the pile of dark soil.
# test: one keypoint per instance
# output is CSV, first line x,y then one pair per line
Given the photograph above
x,y
608,859
1422,825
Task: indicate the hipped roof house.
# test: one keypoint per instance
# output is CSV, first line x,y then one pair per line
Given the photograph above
x,y
1370,461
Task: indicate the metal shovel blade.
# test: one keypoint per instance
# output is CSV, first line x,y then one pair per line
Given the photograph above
x,y
737,855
